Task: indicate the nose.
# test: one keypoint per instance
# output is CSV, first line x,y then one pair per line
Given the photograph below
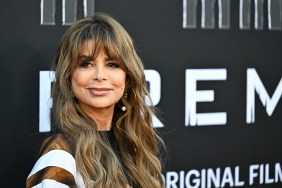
x,y
99,73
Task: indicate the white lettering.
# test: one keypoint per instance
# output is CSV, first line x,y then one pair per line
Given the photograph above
x,y
237,177
154,79
253,173
274,18
69,11
193,96
182,177
227,178
45,101
196,182
254,84
207,14
268,180
278,173
171,179
203,178
261,174
213,177
223,177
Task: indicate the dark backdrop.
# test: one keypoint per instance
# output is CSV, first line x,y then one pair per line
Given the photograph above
x,y
27,47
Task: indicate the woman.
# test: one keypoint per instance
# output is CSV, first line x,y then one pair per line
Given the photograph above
x,y
102,133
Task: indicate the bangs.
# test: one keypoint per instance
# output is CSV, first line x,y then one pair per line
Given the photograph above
x,y
99,37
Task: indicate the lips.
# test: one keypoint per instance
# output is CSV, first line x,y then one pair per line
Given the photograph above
x,y
99,91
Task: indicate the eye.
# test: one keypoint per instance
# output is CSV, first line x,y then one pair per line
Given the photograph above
x,y
113,64
85,64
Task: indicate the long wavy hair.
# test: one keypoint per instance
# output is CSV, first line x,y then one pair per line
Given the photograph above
x,y
137,140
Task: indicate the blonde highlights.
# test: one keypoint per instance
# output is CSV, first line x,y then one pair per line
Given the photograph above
x,y
135,136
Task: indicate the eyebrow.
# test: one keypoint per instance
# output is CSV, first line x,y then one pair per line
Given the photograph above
x,y
84,57
87,57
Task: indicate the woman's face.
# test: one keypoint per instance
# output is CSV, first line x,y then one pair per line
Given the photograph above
x,y
97,83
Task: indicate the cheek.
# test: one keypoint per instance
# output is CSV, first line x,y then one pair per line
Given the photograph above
x,y
120,80
77,80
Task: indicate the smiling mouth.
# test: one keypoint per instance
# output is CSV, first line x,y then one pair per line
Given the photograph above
x,y
99,91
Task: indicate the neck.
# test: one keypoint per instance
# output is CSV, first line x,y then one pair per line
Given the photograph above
x,y
103,121
103,117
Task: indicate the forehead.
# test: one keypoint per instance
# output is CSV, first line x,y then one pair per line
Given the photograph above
x,y
88,47
92,49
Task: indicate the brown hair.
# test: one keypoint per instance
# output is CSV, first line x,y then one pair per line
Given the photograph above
x,y
136,138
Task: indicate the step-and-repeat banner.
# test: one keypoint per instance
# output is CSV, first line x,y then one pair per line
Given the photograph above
x,y
214,68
